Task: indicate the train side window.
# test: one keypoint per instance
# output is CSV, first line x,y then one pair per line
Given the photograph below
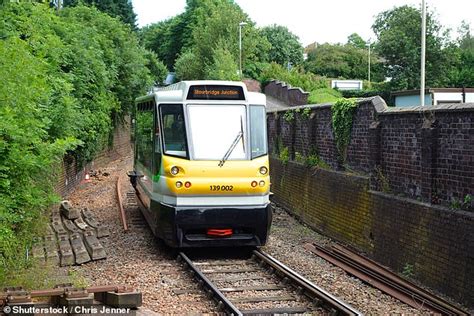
x,y
144,137
174,131
258,131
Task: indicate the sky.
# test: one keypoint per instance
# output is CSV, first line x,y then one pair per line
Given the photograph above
x,y
317,21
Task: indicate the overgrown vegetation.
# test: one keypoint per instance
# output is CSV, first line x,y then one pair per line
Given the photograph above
x,y
66,79
342,116
296,77
324,95
289,115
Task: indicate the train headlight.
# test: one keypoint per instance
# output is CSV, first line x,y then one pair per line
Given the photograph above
x,y
174,170
254,184
263,170
187,184
261,183
179,184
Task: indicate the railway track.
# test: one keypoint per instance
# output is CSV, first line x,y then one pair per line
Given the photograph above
x,y
258,284
261,285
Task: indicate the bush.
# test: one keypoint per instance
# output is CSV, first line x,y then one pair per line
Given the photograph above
x,y
384,94
294,77
65,80
188,67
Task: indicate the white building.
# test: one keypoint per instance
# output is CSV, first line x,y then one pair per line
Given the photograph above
x,y
434,96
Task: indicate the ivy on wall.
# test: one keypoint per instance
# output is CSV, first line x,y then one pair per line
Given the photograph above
x,y
342,116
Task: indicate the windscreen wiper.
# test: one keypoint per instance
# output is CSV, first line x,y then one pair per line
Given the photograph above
x,y
231,148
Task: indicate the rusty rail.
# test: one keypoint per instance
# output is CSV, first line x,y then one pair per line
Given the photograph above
x,y
122,212
385,280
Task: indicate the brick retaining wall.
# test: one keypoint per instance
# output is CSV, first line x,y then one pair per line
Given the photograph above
x,y
286,93
404,165
424,154
71,174
435,243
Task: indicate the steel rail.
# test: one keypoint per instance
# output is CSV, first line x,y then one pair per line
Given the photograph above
x,y
310,289
223,302
385,280
120,203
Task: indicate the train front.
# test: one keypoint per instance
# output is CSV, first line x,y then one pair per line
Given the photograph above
x,y
214,175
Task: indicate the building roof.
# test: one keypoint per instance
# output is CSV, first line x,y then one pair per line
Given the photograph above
x,y
432,90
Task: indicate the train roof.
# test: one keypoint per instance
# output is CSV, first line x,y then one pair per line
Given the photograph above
x,y
180,92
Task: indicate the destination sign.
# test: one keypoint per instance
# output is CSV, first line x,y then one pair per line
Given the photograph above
x,y
215,92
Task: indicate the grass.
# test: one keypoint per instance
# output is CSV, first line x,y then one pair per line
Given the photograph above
x,y
323,95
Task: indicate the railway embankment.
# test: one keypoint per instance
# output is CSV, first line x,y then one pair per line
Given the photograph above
x,y
402,194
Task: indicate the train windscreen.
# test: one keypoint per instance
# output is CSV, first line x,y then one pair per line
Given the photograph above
x,y
215,128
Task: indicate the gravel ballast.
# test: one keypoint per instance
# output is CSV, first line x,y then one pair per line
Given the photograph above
x,y
137,259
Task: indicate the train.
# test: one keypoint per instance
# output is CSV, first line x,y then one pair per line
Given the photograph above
x,y
201,168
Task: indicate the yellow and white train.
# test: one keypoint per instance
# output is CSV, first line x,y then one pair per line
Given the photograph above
x,y
201,170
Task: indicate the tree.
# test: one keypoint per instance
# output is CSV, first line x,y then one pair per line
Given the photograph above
x,y
188,67
356,40
205,26
285,46
157,68
342,61
65,78
398,34
465,53
217,25
121,9
223,67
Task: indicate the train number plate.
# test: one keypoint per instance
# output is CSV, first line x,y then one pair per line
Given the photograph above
x,y
221,187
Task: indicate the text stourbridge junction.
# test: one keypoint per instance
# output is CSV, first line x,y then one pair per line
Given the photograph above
x,y
215,92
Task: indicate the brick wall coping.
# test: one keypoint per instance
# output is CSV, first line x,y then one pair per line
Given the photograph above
x,y
382,108
438,208
290,87
345,174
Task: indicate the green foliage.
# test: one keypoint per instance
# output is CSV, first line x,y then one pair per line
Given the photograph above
x,y
343,61
289,116
188,67
121,9
285,46
295,77
398,33
157,68
462,58
206,27
314,160
166,39
342,115
323,95
382,180
284,155
467,200
223,66
300,158
217,26
384,94
65,80
305,114
408,270
356,40
462,204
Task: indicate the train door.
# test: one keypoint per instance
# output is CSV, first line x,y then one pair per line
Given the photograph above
x,y
157,146
144,152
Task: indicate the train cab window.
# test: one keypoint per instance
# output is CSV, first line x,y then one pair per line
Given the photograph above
x,y
144,137
215,128
258,131
174,132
